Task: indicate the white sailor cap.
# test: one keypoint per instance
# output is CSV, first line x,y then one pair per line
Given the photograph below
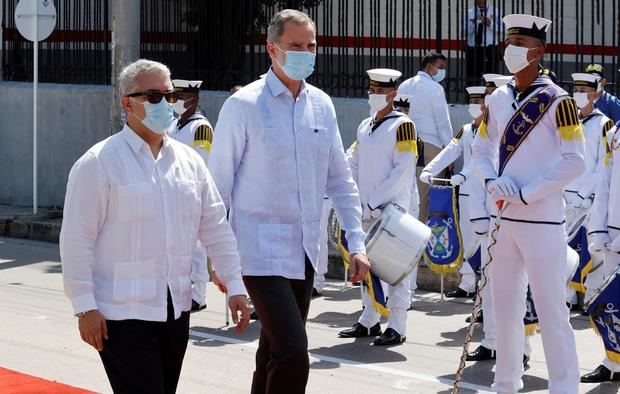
x,y
527,25
383,77
586,79
476,92
501,80
402,101
182,85
488,79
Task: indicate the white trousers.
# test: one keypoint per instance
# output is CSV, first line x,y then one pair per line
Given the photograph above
x,y
319,275
468,277
414,210
200,274
536,252
398,303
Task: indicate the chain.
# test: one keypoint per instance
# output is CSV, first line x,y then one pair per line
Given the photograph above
x,y
456,388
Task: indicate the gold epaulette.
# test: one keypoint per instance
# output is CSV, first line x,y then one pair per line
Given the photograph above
x,y
406,138
482,130
606,127
567,120
203,137
458,135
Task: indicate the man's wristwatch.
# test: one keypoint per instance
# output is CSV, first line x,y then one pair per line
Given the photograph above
x,y
78,315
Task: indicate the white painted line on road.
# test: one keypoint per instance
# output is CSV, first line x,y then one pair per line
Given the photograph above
x,y
351,363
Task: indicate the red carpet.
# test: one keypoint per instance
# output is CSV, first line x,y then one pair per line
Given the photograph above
x,y
12,382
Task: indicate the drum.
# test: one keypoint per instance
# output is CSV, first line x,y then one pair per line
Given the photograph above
x,y
572,263
395,244
594,298
575,218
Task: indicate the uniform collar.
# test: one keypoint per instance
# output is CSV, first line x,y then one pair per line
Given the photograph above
x,y
135,142
592,114
196,115
277,87
539,82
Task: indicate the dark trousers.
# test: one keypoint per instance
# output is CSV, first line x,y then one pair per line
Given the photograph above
x,y
481,60
145,356
282,305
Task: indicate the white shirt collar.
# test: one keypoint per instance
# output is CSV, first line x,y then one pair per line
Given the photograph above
x,y
277,87
425,74
136,143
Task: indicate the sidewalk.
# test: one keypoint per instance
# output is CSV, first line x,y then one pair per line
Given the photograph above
x,y
19,222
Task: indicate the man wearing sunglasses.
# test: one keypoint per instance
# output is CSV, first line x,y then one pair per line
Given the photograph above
x,y
136,205
276,153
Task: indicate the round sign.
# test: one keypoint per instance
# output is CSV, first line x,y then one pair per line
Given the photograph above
x,y
45,13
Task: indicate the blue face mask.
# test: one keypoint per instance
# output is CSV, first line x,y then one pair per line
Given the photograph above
x,y
298,65
159,117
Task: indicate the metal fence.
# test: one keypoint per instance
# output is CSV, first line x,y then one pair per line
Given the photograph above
x,y
222,41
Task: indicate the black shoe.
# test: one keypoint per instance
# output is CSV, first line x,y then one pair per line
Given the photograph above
x,y
573,307
526,361
356,284
196,307
479,318
459,293
389,337
359,331
253,316
481,354
315,293
599,375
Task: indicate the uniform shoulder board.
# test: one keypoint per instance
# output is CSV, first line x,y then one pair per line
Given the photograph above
x,y
606,128
567,120
406,138
203,137
459,134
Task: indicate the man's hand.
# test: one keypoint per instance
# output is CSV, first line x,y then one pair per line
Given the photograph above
x,y
502,187
425,177
240,310
598,242
218,282
614,246
358,267
457,180
93,329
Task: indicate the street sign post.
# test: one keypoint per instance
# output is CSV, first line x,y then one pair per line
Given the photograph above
x,y
35,20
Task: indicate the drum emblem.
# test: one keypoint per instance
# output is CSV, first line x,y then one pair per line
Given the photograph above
x,y
440,240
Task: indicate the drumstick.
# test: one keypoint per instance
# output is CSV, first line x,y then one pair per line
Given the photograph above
x,y
433,179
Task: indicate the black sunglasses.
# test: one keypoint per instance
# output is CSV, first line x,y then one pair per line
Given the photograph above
x,y
154,96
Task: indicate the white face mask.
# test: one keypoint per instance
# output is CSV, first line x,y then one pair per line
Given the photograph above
x,y
377,102
440,76
179,107
475,110
516,58
581,99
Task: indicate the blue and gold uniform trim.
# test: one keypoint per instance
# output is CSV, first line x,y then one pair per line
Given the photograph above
x,y
482,130
567,120
203,137
606,127
458,135
406,138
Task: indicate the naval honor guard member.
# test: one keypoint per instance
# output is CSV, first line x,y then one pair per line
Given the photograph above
x,y
530,147
382,164
194,130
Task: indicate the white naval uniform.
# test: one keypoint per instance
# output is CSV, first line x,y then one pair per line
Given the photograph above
x,y
384,174
460,145
197,133
532,232
321,269
605,217
595,127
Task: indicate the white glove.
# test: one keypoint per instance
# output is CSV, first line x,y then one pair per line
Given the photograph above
x,y
366,213
502,187
480,227
598,242
586,203
614,246
425,177
457,180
